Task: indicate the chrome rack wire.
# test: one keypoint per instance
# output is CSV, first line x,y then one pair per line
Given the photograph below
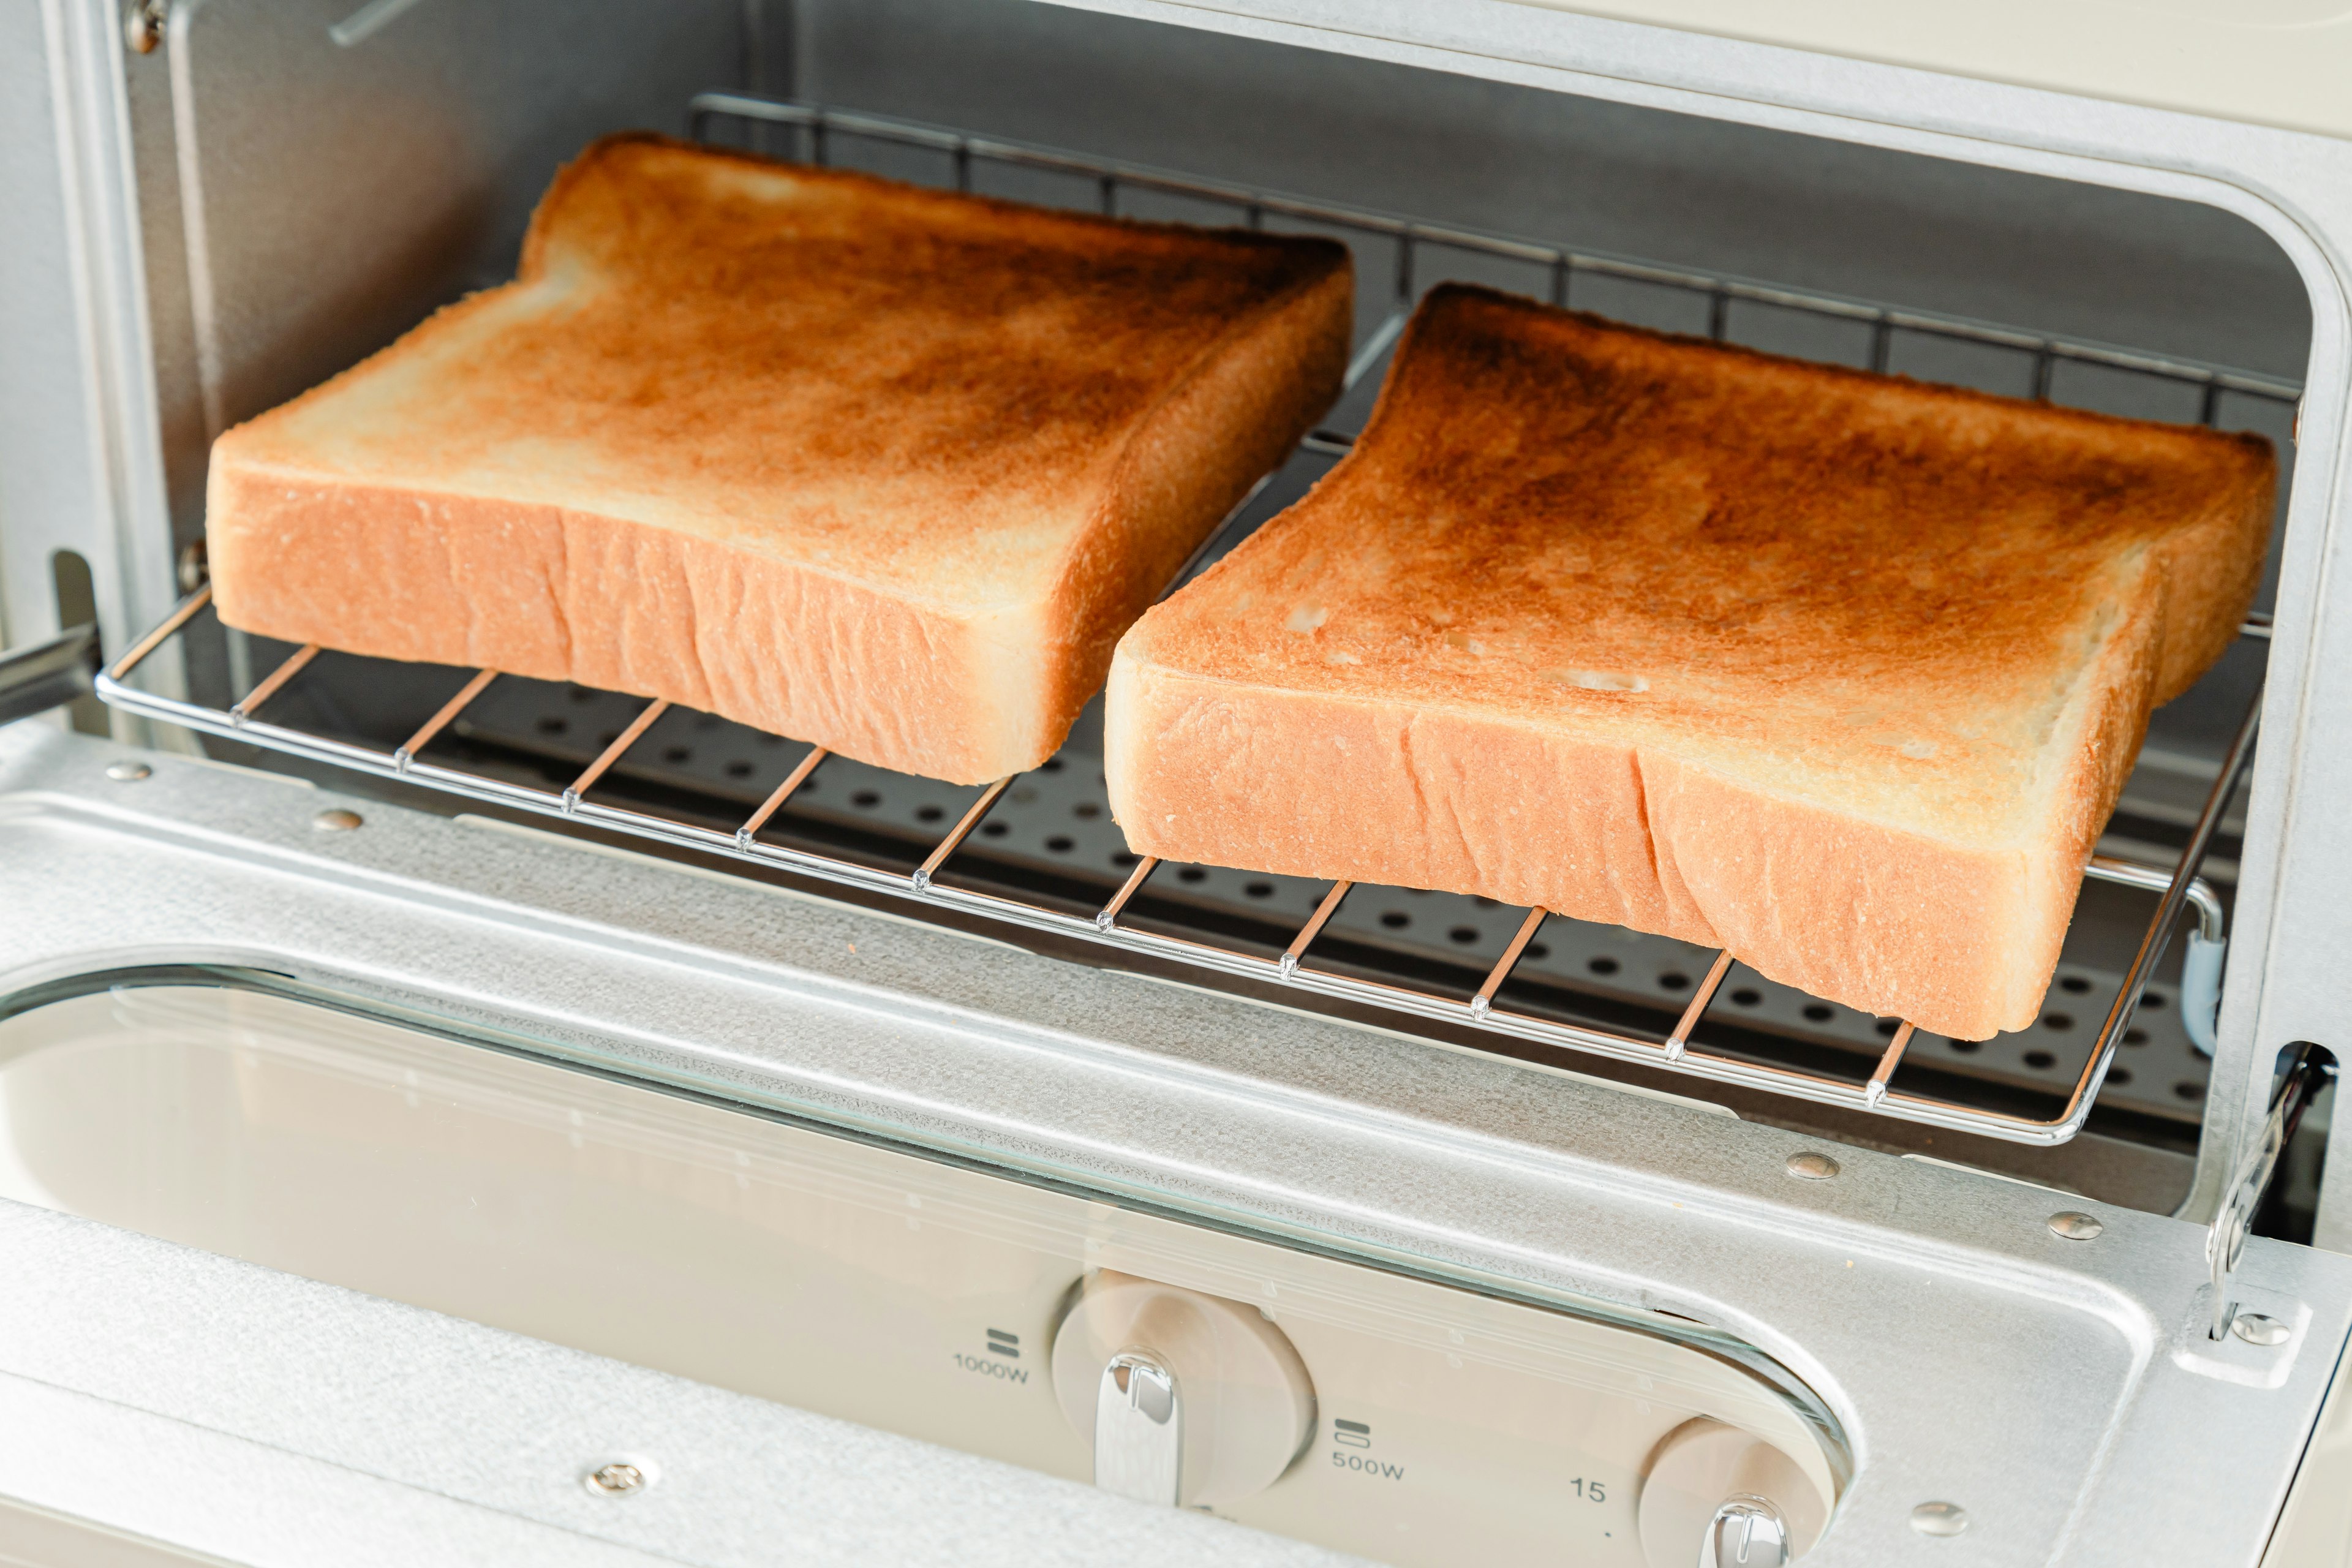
x,y
2179,885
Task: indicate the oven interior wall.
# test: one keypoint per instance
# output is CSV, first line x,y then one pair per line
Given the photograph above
x,y
316,176
2045,255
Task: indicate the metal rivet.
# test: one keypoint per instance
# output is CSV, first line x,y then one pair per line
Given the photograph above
x,y
1940,1519
142,26
619,1478
195,569
2075,1226
337,820
129,772
2256,1329
1811,1167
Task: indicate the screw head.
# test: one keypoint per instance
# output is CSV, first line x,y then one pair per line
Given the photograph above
x,y
337,820
1811,1167
619,1478
2257,1329
129,772
2075,1226
1940,1519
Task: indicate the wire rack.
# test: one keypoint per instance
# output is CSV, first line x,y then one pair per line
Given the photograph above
x,y
2176,886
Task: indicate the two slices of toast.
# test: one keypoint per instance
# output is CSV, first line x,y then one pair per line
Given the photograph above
x,y
882,467
1840,672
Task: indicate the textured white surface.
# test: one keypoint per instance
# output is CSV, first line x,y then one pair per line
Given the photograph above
x,y
267,1419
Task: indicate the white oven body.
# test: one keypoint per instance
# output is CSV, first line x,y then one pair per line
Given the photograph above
x,y
2061,1391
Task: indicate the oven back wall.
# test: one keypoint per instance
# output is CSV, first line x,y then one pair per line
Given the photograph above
x,y
2028,251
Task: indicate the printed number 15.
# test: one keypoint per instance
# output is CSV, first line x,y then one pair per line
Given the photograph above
x,y
1591,1492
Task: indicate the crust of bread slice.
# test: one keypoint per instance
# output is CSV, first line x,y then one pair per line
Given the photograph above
x,y
882,467
1840,672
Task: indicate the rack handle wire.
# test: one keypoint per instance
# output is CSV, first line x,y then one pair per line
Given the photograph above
x,y
1106,917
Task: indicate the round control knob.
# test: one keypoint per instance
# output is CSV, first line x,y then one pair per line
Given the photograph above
x,y
1722,1497
1185,1397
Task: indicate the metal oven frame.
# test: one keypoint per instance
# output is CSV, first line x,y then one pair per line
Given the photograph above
x,y
1431,1160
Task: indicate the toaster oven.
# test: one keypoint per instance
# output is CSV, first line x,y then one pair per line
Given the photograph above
x,y
447,1114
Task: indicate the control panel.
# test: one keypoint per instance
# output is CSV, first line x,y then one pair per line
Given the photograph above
x,y
1403,1419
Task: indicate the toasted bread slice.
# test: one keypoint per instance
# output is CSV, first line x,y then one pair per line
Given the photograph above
x,y
877,466
1838,671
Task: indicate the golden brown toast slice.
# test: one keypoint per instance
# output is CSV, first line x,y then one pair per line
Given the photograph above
x,y
1838,671
877,466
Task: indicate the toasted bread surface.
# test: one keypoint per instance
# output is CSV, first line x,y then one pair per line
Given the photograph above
x,y
1840,671
879,467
